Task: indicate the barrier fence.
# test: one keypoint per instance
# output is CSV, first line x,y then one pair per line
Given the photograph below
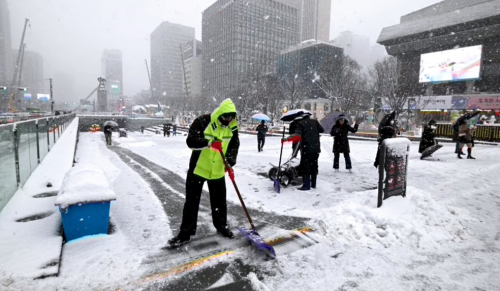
x,y
483,132
24,145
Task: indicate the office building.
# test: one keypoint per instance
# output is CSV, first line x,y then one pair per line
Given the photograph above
x,y
6,74
166,60
192,51
241,40
112,71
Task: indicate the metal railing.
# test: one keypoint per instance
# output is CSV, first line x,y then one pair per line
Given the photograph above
x,y
24,145
489,133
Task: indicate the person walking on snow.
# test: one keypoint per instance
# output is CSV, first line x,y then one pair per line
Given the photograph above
x,y
427,139
108,132
339,131
174,130
465,138
455,127
208,135
307,130
261,135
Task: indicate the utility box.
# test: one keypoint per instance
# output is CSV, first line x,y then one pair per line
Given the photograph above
x,y
84,202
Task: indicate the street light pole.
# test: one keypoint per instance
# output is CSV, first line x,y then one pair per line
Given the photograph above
x,y
51,98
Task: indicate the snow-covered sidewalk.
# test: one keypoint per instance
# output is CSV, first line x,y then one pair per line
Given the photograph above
x,y
103,262
30,243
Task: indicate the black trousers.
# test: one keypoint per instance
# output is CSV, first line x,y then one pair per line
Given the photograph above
x,y
336,157
108,137
309,164
260,142
194,187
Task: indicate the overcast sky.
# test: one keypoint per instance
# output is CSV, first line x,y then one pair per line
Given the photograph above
x,y
72,34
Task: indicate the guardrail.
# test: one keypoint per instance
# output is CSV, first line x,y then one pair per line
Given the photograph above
x,y
24,145
489,133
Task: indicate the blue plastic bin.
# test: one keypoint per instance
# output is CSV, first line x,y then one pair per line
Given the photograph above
x,y
84,219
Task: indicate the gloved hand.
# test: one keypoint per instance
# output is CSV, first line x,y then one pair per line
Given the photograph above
x,y
283,140
231,161
216,145
230,172
337,130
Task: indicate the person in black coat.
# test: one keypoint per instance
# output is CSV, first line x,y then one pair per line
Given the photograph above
x,y
427,139
295,144
455,127
388,128
339,131
261,135
308,131
108,131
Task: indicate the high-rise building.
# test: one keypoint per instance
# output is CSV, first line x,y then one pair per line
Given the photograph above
x,y
314,18
166,60
112,71
32,75
192,67
306,62
5,45
243,38
356,46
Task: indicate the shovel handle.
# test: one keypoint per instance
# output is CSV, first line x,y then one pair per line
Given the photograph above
x,y
231,176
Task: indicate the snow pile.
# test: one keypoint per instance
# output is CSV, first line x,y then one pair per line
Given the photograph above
x,y
85,183
416,221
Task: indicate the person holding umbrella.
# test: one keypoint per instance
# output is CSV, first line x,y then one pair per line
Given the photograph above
x,y
261,135
339,131
208,136
308,131
108,130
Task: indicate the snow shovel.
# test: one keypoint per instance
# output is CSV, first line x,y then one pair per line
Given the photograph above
x,y
251,234
277,186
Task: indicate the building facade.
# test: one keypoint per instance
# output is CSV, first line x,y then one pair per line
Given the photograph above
x,y
112,71
32,78
167,76
305,63
356,46
5,45
439,28
192,51
242,39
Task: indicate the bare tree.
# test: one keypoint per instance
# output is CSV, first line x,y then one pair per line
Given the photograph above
x,y
341,82
292,89
384,83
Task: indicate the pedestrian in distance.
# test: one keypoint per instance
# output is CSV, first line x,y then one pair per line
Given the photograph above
x,y
308,131
108,131
142,129
427,139
209,135
174,130
340,131
456,126
465,138
261,135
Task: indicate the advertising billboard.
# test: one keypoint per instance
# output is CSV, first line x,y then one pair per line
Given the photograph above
x,y
451,65
43,97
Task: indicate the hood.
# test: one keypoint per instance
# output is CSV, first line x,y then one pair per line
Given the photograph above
x,y
342,116
227,106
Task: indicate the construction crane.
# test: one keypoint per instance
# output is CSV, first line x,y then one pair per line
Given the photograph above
x,y
20,55
149,77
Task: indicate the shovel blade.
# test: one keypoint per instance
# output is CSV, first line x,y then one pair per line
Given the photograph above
x,y
277,186
257,241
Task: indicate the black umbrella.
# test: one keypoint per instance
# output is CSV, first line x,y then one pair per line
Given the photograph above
x,y
329,120
110,123
386,121
294,113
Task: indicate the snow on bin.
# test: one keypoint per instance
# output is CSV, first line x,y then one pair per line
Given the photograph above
x,y
84,200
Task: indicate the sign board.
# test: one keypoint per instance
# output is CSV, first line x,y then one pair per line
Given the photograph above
x,y
393,161
43,97
27,96
433,102
484,103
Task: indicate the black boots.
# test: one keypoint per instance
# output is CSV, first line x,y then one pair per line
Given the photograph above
x,y
306,185
459,154
179,240
313,181
469,151
226,232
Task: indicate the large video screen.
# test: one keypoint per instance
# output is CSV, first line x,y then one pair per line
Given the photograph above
x,y
451,65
